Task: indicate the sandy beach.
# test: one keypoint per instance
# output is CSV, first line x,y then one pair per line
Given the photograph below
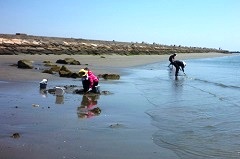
x,y
50,127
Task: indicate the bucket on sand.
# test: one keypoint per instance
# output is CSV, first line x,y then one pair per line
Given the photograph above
x,y
59,91
43,84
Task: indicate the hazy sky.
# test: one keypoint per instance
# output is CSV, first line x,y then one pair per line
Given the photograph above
x,y
202,23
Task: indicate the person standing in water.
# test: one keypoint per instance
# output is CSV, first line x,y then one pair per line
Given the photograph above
x,y
171,59
179,65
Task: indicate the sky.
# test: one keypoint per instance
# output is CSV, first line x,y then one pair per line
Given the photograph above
x,y
196,23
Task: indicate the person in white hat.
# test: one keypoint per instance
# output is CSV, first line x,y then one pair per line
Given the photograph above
x,y
179,65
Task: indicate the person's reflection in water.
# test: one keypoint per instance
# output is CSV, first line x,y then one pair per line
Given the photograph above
x,y
88,106
43,92
177,82
59,99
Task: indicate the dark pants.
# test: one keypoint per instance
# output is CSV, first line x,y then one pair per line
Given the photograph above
x,y
177,68
85,84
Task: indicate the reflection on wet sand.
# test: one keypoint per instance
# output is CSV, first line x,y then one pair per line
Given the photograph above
x,y
43,92
88,106
59,99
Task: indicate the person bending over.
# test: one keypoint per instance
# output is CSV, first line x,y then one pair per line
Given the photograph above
x,y
89,80
171,59
179,65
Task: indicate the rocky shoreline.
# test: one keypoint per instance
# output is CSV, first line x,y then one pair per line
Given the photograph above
x,y
11,44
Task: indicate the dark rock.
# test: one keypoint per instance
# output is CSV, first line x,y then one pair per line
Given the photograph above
x,y
65,72
75,75
61,61
73,62
79,91
105,93
15,135
110,76
114,126
55,68
69,86
48,71
70,61
48,64
25,64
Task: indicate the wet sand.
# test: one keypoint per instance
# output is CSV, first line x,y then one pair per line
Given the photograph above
x,y
52,127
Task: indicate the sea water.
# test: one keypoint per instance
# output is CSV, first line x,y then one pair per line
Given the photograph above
x,y
197,115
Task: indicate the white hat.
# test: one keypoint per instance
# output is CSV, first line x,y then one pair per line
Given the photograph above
x,y
44,81
184,63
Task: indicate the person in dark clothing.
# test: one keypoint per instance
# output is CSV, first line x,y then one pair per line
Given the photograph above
x,y
171,59
179,65
85,79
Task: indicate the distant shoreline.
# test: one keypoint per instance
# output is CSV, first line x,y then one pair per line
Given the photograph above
x,y
11,44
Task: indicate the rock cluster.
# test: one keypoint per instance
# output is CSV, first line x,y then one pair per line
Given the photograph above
x,y
27,44
63,71
69,61
110,76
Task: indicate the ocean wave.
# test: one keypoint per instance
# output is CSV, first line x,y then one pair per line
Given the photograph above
x,y
217,84
3,82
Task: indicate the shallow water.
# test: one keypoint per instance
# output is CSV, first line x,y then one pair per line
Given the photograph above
x,y
63,127
150,114
197,115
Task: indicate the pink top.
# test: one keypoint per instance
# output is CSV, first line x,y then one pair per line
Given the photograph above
x,y
92,78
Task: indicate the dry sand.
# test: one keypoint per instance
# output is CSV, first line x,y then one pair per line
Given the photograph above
x,y
98,64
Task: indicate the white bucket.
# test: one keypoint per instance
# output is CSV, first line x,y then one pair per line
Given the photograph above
x,y
59,91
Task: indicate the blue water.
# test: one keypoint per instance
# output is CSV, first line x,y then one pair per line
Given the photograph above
x,y
197,115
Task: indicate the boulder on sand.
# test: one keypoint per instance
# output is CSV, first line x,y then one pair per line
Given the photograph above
x,y
69,61
65,72
110,76
25,64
